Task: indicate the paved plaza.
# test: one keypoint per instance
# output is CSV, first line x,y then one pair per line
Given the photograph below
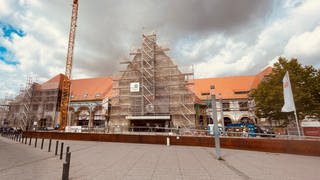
x,y
104,160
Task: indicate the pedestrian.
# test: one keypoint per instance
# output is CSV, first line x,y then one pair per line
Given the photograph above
x,y
244,132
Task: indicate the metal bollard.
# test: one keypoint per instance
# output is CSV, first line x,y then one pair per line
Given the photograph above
x,y
61,150
168,141
36,142
42,143
30,141
66,167
64,171
68,159
57,144
67,151
49,148
25,140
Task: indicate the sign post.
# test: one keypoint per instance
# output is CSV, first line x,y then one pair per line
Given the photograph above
x,y
215,122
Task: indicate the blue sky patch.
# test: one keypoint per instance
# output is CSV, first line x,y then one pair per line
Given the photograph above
x,y
7,32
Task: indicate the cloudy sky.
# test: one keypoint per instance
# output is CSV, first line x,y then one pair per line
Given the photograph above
x,y
216,37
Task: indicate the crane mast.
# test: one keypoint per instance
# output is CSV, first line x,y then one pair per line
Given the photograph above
x,y
65,88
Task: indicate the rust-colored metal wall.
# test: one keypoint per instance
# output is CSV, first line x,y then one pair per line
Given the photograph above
x,y
302,147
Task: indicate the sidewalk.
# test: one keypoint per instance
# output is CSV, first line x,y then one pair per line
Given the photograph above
x,y
104,160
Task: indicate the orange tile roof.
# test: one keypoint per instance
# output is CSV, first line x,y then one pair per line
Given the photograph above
x,y
227,86
233,87
82,89
52,83
88,89
260,76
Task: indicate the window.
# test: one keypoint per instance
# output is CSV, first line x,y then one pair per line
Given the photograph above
x,y
226,106
243,106
241,92
205,94
49,107
35,107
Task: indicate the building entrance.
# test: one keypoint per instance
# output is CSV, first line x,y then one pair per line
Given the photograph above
x,y
149,125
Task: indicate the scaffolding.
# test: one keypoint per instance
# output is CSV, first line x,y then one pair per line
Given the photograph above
x,y
153,86
4,111
26,94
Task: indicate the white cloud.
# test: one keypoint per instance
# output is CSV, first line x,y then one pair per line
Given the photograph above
x,y
5,68
229,57
39,51
305,46
218,44
286,35
5,7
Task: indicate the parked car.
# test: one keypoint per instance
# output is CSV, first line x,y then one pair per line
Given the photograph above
x,y
264,131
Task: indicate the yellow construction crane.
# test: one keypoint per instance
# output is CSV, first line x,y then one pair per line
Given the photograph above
x,y
65,88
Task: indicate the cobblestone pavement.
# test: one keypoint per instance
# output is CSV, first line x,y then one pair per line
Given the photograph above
x,y
104,160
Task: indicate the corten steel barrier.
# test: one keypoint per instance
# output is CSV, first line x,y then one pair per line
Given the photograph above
x,y
302,147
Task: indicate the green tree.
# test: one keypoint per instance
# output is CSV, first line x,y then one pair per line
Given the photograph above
x,y
305,83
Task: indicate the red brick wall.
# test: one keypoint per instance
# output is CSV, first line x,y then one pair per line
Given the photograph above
x,y
302,147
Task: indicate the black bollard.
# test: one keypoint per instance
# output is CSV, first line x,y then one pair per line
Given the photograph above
x,y
67,151
42,143
49,148
66,166
65,174
61,151
57,144
25,140
36,142
30,141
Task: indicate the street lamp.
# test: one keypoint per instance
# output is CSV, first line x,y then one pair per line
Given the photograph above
x,y
215,122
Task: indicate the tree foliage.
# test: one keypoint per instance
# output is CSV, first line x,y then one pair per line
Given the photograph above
x,y
305,83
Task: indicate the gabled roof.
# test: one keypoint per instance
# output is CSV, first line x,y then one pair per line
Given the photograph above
x,y
82,89
233,87
52,83
260,76
91,88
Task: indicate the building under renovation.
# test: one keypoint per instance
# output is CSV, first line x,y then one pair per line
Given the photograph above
x,y
152,91
149,92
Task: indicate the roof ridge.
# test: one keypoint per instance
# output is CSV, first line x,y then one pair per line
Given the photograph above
x,y
224,77
102,77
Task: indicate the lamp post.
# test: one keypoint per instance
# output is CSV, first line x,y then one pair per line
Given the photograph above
x,y
215,122
221,113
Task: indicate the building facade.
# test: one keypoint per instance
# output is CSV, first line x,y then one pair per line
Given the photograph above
x,y
232,97
151,91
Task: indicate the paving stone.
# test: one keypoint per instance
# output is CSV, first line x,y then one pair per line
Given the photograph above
x,y
106,160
